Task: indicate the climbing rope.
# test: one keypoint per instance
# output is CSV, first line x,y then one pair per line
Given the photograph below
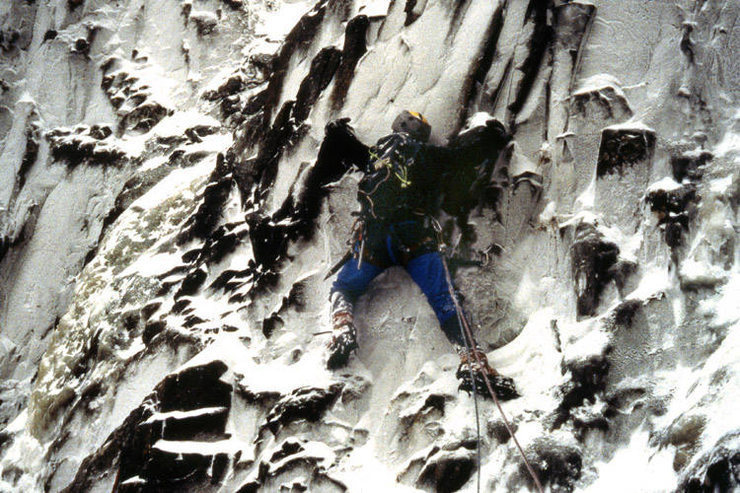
x,y
472,379
470,341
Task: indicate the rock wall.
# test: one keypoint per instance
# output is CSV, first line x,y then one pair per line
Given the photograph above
x,y
168,215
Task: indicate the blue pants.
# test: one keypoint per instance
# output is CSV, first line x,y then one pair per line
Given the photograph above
x,y
427,270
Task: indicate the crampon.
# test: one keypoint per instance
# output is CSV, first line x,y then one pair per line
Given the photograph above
x,y
503,386
342,343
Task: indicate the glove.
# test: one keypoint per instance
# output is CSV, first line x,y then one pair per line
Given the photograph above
x,y
496,131
337,126
491,135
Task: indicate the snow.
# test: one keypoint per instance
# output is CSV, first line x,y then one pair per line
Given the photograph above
x,y
667,184
648,469
636,125
276,22
654,283
721,185
403,358
373,8
729,146
586,200
134,481
534,347
184,414
727,308
177,123
592,343
479,119
596,83
368,474
699,272
229,447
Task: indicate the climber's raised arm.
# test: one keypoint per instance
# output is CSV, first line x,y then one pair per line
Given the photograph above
x,y
464,166
341,149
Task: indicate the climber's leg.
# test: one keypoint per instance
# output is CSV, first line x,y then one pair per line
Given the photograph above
x,y
350,283
428,272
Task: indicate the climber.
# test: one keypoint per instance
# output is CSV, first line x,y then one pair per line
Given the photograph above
x,y
401,192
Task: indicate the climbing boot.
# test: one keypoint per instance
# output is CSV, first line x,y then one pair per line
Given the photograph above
x,y
343,341
503,386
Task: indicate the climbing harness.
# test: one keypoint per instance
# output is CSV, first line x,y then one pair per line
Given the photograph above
x,y
386,191
470,341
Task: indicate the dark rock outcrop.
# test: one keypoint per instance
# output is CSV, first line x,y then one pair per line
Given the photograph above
x,y
447,470
150,451
675,209
132,98
323,67
592,258
588,378
539,42
203,222
194,388
716,470
307,403
622,147
690,165
83,144
557,465
299,39
354,47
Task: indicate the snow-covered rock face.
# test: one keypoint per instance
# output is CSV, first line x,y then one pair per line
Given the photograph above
x,y
167,221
